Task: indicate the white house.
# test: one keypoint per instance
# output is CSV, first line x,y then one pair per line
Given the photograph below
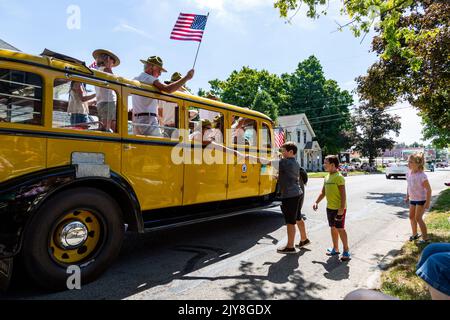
x,y
298,129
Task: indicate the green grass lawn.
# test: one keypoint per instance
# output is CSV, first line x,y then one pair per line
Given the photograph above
x,y
400,279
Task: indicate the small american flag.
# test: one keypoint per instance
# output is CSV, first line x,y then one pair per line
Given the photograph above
x,y
279,137
189,27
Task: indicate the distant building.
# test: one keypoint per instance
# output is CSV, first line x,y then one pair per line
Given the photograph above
x,y
7,46
298,129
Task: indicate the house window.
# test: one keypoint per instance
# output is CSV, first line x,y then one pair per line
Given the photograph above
x,y
304,136
299,136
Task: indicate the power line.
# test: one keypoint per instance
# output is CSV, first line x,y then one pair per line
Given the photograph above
x,y
339,116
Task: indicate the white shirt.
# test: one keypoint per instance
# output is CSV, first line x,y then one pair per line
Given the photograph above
x,y
143,104
168,112
76,105
103,94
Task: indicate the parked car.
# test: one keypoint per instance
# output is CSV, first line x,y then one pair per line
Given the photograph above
x,y
397,170
441,165
367,167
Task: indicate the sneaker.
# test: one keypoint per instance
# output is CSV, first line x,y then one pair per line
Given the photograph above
x,y
413,238
286,250
332,252
346,256
303,243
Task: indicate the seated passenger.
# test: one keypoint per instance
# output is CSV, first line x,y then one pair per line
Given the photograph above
x,y
106,98
238,130
202,135
78,104
216,133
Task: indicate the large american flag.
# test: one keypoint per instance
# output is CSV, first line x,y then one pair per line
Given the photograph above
x,y
189,27
279,137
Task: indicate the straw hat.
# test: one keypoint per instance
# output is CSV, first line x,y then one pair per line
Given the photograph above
x,y
156,61
98,52
205,123
192,114
211,96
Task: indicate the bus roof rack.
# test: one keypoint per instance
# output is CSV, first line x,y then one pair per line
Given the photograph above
x,y
63,57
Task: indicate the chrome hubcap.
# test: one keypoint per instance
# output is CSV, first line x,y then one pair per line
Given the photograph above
x,y
73,235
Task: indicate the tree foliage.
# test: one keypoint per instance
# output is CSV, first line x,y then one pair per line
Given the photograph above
x,y
306,90
263,103
413,44
323,102
374,125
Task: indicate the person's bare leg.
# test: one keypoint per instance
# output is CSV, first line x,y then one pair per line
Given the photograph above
x,y
291,235
344,238
335,238
412,219
437,295
365,294
420,210
302,228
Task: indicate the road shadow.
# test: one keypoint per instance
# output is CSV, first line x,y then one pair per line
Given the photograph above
x,y
283,280
159,258
336,270
389,199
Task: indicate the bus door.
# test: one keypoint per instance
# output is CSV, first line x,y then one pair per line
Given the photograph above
x,y
84,119
205,175
150,135
243,175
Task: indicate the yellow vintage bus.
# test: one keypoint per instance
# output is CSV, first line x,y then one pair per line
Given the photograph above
x,y
70,186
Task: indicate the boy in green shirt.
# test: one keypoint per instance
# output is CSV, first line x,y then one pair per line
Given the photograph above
x,y
334,191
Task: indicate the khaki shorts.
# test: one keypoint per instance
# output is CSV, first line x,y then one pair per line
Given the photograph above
x,y
107,111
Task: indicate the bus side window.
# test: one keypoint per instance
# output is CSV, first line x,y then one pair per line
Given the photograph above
x,y
152,117
205,125
243,131
266,137
80,106
20,97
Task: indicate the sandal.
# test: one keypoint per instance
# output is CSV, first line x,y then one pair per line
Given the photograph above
x,y
413,238
332,252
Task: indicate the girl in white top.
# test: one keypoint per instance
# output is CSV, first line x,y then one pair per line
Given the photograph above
x,y
78,104
418,195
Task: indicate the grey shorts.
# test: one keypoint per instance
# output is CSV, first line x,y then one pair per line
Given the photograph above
x,y
147,126
107,111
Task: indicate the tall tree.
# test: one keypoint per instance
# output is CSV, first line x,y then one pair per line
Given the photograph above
x,y
263,103
374,125
242,86
323,102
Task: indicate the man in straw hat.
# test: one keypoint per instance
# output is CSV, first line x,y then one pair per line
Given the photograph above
x,y
145,109
106,98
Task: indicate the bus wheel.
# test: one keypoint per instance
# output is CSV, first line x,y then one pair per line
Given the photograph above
x,y
81,228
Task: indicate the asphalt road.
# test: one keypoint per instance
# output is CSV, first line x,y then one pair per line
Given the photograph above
x,y
235,258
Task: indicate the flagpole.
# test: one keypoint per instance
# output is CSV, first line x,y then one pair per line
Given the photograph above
x,y
200,43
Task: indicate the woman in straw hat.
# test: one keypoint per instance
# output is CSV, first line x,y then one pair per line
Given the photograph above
x,y
106,98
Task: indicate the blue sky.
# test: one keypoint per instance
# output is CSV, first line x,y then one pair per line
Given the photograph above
x,y
239,33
